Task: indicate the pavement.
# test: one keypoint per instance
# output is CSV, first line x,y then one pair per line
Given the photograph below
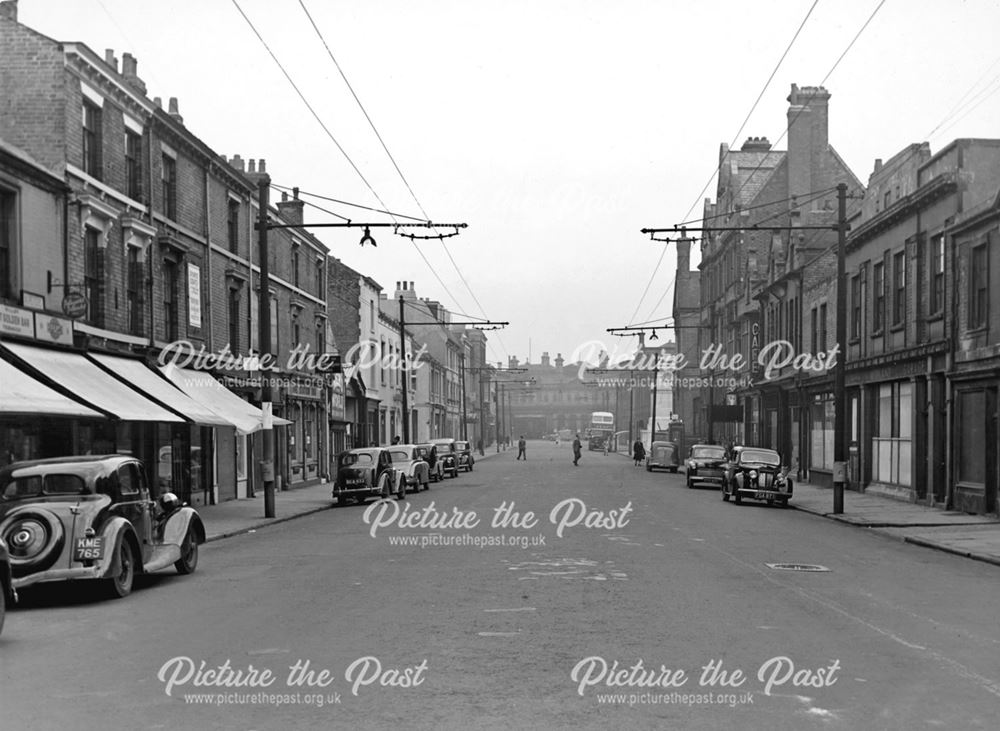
x,y
973,536
235,517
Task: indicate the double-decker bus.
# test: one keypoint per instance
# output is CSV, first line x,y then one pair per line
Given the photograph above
x,y
601,429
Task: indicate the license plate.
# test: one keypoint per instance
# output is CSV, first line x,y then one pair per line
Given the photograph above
x,y
760,495
89,549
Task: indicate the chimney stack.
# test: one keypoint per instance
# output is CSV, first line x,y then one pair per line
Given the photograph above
x,y
110,60
130,72
237,163
405,291
8,10
174,111
807,137
545,359
559,360
291,210
684,256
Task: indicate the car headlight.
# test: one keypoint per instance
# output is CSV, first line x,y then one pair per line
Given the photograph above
x,y
692,466
753,474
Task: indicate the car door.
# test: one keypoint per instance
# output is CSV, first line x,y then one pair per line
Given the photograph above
x,y
134,504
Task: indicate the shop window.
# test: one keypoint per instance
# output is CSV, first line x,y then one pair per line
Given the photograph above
x,y
972,437
891,445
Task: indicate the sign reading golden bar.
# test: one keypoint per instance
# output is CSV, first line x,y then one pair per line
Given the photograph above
x,y
35,325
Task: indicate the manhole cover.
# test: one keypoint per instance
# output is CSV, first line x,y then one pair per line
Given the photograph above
x,y
796,567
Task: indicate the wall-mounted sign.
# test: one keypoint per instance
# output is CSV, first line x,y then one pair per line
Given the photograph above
x,y
32,300
194,295
53,329
15,321
74,304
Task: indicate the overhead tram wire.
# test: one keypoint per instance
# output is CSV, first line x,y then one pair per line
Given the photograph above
x,y
395,165
393,214
735,139
962,99
308,105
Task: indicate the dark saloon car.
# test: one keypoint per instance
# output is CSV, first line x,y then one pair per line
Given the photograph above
x,y
429,454
706,465
447,455
757,473
466,460
662,456
92,518
367,472
7,595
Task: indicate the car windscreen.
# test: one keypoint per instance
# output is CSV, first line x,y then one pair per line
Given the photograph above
x,y
754,456
13,488
400,455
708,453
461,446
351,459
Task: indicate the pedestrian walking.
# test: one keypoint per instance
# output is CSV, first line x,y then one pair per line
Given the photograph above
x,y
521,444
606,443
577,450
638,452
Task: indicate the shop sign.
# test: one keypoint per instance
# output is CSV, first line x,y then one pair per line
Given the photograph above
x,y
74,304
338,401
53,329
194,295
15,321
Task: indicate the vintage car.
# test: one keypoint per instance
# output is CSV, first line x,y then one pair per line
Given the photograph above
x,y
92,517
662,455
466,460
706,465
447,455
429,454
7,594
407,459
367,472
757,473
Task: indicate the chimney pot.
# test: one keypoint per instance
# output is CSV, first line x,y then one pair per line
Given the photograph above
x,y
262,168
158,102
295,193
252,166
109,58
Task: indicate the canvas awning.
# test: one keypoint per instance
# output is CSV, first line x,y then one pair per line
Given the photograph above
x,y
156,386
204,389
91,384
22,394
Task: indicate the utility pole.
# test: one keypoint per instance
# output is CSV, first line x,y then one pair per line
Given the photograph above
x,y
264,335
656,377
465,416
631,386
497,388
402,360
839,386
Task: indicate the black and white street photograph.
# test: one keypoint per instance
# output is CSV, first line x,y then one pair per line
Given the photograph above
x,y
522,364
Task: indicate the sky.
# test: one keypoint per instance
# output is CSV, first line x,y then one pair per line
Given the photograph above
x,y
555,129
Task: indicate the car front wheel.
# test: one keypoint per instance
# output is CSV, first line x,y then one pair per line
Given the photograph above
x,y
188,561
401,490
725,494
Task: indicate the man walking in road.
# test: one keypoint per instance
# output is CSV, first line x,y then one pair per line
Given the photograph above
x,y
577,447
521,444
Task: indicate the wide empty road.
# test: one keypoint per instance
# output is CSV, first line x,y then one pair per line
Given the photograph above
x,y
655,608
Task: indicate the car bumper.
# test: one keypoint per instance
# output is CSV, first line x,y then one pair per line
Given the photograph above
x,y
767,494
362,491
697,478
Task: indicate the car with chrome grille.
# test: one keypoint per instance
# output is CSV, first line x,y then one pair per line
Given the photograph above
x,y
447,455
466,460
92,517
705,465
756,473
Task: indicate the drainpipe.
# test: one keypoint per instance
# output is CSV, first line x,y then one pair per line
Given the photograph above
x,y
152,244
208,259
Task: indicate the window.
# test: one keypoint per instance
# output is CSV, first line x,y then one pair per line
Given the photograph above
x,y
7,233
320,336
92,276
878,310
296,332
823,342
233,226
133,291
891,443
295,265
899,288
856,306
169,187
814,330
92,139
937,274
275,340
133,165
319,278
978,293
234,320
886,199
170,300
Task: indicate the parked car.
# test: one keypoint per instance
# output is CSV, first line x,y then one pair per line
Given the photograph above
x,y
92,517
706,465
448,455
757,473
7,595
662,455
466,460
429,453
406,459
367,472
